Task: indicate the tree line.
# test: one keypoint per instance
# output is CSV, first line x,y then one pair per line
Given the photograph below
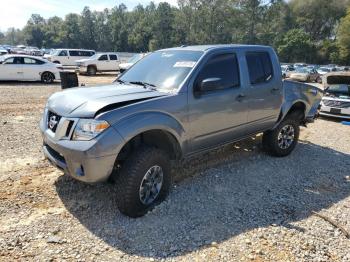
x,y
312,31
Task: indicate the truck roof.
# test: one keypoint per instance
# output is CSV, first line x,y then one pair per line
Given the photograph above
x,y
211,47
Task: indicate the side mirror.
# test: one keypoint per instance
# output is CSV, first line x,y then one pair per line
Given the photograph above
x,y
209,84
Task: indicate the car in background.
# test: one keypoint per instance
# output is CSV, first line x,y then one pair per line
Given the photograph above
x,y
287,70
336,99
28,68
33,51
3,51
100,62
303,74
297,65
68,57
125,66
323,70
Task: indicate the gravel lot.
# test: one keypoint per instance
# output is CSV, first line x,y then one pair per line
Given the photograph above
x,y
233,204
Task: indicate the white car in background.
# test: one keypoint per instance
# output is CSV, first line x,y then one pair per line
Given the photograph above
x,y
125,66
336,99
100,62
28,68
68,57
3,52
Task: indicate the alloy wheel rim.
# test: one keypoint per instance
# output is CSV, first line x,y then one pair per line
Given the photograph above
x,y
47,78
151,185
286,137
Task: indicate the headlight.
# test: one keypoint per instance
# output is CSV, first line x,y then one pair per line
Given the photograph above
x,y
87,129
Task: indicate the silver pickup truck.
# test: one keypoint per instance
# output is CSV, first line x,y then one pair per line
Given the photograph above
x,y
172,104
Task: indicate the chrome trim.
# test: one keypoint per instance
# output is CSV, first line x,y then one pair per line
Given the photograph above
x,y
61,128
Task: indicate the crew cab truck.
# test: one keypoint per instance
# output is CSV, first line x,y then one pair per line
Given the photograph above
x,y
170,105
100,62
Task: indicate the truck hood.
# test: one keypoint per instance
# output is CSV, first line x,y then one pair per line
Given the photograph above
x,y
86,102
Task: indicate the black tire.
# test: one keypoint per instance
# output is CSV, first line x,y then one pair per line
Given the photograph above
x,y
47,77
56,62
131,175
274,145
91,71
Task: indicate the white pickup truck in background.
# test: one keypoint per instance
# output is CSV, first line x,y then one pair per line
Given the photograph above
x,y
100,62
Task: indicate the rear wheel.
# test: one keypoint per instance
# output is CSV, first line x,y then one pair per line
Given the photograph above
x,y
282,140
143,181
91,71
47,77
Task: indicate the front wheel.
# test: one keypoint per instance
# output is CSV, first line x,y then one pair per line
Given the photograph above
x,y
282,140
143,181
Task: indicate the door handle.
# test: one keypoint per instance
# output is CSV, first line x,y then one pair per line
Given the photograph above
x,y
240,97
273,90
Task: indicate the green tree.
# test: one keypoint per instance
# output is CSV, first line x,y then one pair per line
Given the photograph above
x,y
343,39
87,29
296,46
70,34
34,31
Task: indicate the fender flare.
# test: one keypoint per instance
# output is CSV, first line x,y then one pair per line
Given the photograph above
x,y
133,125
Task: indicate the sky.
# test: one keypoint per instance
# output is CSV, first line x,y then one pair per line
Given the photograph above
x,y
17,12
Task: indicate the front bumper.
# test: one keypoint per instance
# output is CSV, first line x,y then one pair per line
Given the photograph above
x,y
88,161
329,111
82,69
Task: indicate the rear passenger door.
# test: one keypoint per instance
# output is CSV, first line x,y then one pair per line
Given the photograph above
x,y
217,116
114,62
264,91
32,69
103,63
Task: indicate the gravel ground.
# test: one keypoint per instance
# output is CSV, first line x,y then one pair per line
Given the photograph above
x,y
232,204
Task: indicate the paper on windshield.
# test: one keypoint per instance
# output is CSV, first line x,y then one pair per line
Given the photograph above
x,y
185,64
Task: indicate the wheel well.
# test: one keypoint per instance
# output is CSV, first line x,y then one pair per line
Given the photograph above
x,y
94,66
155,138
298,109
56,62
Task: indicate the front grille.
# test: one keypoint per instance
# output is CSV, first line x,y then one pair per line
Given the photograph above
x,y
52,121
335,103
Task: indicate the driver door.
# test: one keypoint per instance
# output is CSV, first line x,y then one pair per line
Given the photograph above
x,y
217,115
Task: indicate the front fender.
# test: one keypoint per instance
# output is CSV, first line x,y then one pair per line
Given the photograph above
x,y
138,123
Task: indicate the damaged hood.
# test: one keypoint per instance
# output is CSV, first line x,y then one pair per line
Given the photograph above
x,y
85,102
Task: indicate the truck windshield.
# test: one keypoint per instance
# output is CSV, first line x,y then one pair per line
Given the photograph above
x,y
165,70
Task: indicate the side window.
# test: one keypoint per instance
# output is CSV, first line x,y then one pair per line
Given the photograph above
x,y
224,67
74,53
259,67
14,61
63,53
103,58
9,61
29,61
113,57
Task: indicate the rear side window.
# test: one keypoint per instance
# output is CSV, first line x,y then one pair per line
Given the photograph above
x,y
31,61
74,53
223,66
259,67
113,57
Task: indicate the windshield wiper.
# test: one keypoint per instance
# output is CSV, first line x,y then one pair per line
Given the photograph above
x,y
144,84
120,81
